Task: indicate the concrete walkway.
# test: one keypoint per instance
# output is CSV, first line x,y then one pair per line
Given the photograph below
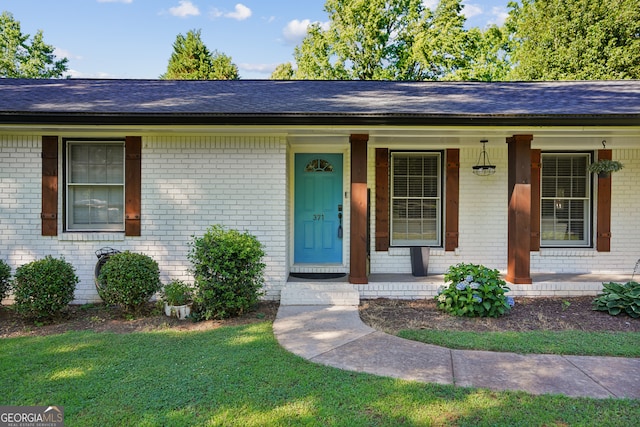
x,y
334,335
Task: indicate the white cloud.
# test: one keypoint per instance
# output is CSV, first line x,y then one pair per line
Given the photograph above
x,y
116,1
240,13
296,30
499,15
258,68
430,4
75,74
186,8
471,10
63,53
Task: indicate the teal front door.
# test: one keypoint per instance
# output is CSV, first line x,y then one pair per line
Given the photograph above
x,y
318,208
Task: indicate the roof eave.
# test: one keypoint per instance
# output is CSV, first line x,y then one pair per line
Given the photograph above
x,y
317,119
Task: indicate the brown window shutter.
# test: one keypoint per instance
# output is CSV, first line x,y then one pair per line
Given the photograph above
x,y
133,185
452,197
536,169
382,199
49,214
603,228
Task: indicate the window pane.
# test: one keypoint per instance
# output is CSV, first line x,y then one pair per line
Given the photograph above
x,y
115,164
94,202
96,207
565,200
79,163
416,204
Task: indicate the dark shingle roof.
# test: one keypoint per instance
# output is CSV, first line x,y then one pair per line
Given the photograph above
x,y
321,102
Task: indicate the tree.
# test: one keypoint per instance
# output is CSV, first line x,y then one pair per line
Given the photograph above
x,y
489,54
20,58
576,40
192,60
443,46
283,72
366,40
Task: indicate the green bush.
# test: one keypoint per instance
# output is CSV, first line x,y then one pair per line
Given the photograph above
x,y
5,284
129,279
177,293
617,298
474,291
228,271
43,288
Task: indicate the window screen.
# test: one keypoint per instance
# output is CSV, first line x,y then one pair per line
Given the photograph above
x,y
95,186
566,200
416,199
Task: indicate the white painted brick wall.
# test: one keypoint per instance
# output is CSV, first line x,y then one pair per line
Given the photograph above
x,y
191,182
483,223
188,184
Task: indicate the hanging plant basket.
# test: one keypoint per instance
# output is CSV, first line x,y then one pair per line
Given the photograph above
x,y
604,167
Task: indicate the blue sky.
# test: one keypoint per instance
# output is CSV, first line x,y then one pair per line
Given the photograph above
x,y
134,38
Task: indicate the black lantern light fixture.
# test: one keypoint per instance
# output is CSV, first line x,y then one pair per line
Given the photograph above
x,y
485,168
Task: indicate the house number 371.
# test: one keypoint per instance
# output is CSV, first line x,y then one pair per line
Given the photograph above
x,y
318,217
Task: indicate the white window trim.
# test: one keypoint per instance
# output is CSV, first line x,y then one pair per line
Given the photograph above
x,y
109,228
439,211
588,220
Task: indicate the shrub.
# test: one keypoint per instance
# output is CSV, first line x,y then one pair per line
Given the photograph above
x,y
228,271
617,298
176,293
43,288
129,279
5,284
474,291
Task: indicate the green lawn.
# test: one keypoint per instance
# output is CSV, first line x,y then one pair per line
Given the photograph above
x,y
240,376
622,344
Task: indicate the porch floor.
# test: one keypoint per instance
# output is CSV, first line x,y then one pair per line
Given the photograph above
x,y
407,286
439,278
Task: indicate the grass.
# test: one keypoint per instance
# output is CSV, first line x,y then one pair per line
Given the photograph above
x,y
570,342
241,376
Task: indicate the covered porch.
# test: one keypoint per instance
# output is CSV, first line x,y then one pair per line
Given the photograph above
x,y
339,291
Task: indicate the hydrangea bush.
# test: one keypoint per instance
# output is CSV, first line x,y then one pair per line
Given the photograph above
x,y
474,291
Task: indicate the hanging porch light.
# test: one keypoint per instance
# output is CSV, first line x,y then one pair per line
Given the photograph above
x,y
485,168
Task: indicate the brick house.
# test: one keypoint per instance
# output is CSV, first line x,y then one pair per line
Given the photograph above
x,y
331,176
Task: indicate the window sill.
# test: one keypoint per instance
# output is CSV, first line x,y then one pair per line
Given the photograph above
x,y
404,251
568,252
92,237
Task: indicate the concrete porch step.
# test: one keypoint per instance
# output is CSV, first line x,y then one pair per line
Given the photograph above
x,y
319,293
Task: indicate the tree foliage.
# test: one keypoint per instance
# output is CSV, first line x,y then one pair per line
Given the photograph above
x,y
283,72
366,40
24,58
442,46
192,60
540,40
401,40
576,40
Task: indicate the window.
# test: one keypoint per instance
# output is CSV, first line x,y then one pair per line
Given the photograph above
x,y
95,172
565,200
416,199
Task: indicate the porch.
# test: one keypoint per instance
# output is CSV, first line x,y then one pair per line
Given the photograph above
x,y
338,291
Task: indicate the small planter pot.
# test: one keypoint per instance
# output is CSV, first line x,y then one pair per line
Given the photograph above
x,y
180,312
